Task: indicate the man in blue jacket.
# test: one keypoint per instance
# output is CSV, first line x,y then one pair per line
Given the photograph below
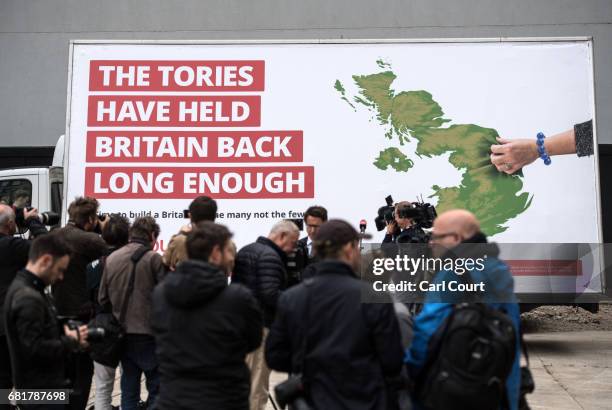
x,y
451,229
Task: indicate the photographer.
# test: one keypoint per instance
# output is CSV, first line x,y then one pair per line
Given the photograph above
x,y
134,270
403,228
71,295
344,349
38,347
13,257
115,234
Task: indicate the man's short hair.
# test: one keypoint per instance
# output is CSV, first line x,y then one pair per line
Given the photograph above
x,y
50,244
82,209
285,226
401,206
332,236
202,239
116,230
316,211
143,228
203,208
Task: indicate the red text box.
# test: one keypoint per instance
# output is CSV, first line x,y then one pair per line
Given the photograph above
x,y
143,75
552,267
186,183
184,146
174,111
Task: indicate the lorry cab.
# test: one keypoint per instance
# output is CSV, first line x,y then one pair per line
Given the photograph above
x,y
41,188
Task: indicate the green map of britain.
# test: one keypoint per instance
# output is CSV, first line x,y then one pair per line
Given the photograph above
x,y
494,197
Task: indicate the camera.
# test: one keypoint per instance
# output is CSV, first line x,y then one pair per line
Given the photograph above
x,y
48,218
386,214
422,213
94,333
296,259
291,392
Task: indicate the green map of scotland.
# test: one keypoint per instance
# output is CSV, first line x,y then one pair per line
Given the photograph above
x,y
494,197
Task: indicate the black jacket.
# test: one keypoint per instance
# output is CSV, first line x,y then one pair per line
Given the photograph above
x,y
261,267
71,295
352,347
203,331
413,234
13,257
39,349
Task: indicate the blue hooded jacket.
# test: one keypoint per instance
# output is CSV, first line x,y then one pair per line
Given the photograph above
x,y
499,286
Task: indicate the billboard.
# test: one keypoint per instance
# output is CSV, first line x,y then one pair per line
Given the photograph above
x,y
269,128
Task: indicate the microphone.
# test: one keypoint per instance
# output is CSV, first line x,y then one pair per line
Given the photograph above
x,y
362,225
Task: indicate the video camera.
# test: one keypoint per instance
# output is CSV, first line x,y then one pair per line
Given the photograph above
x,y
422,213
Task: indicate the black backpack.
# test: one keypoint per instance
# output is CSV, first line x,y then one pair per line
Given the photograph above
x,y
469,360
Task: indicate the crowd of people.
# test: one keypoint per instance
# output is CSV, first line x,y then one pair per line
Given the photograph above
x,y
206,323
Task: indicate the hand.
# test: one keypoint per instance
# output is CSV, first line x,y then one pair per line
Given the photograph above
x,y
103,223
80,335
511,155
33,213
391,228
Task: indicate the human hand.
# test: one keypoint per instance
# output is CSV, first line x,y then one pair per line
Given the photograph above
x,y
79,335
391,227
33,213
510,156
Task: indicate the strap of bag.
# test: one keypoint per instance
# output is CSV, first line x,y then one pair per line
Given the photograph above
x,y
307,285
136,256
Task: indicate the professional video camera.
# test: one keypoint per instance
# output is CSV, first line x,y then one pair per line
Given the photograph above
x,y
48,218
422,213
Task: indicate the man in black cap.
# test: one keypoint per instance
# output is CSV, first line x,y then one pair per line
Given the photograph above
x,y
345,350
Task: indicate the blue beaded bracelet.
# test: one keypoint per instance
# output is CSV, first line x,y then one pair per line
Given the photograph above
x,y
541,149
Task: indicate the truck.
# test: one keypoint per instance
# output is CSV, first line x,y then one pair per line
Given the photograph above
x,y
40,187
152,124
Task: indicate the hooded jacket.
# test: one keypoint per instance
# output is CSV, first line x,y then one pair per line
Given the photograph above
x,y
204,329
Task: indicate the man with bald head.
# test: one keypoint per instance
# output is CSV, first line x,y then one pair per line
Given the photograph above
x,y
13,257
456,234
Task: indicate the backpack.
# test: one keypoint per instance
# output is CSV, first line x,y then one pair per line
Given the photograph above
x,y
469,360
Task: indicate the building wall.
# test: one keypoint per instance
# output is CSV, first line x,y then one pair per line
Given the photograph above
x,y
34,38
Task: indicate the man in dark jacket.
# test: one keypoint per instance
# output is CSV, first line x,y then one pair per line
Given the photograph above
x,y
139,346
205,328
71,295
350,348
13,257
260,266
38,349
314,217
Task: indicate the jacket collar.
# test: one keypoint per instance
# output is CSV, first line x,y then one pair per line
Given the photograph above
x,y
32,280
142,242
265,241
334,267
474,247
